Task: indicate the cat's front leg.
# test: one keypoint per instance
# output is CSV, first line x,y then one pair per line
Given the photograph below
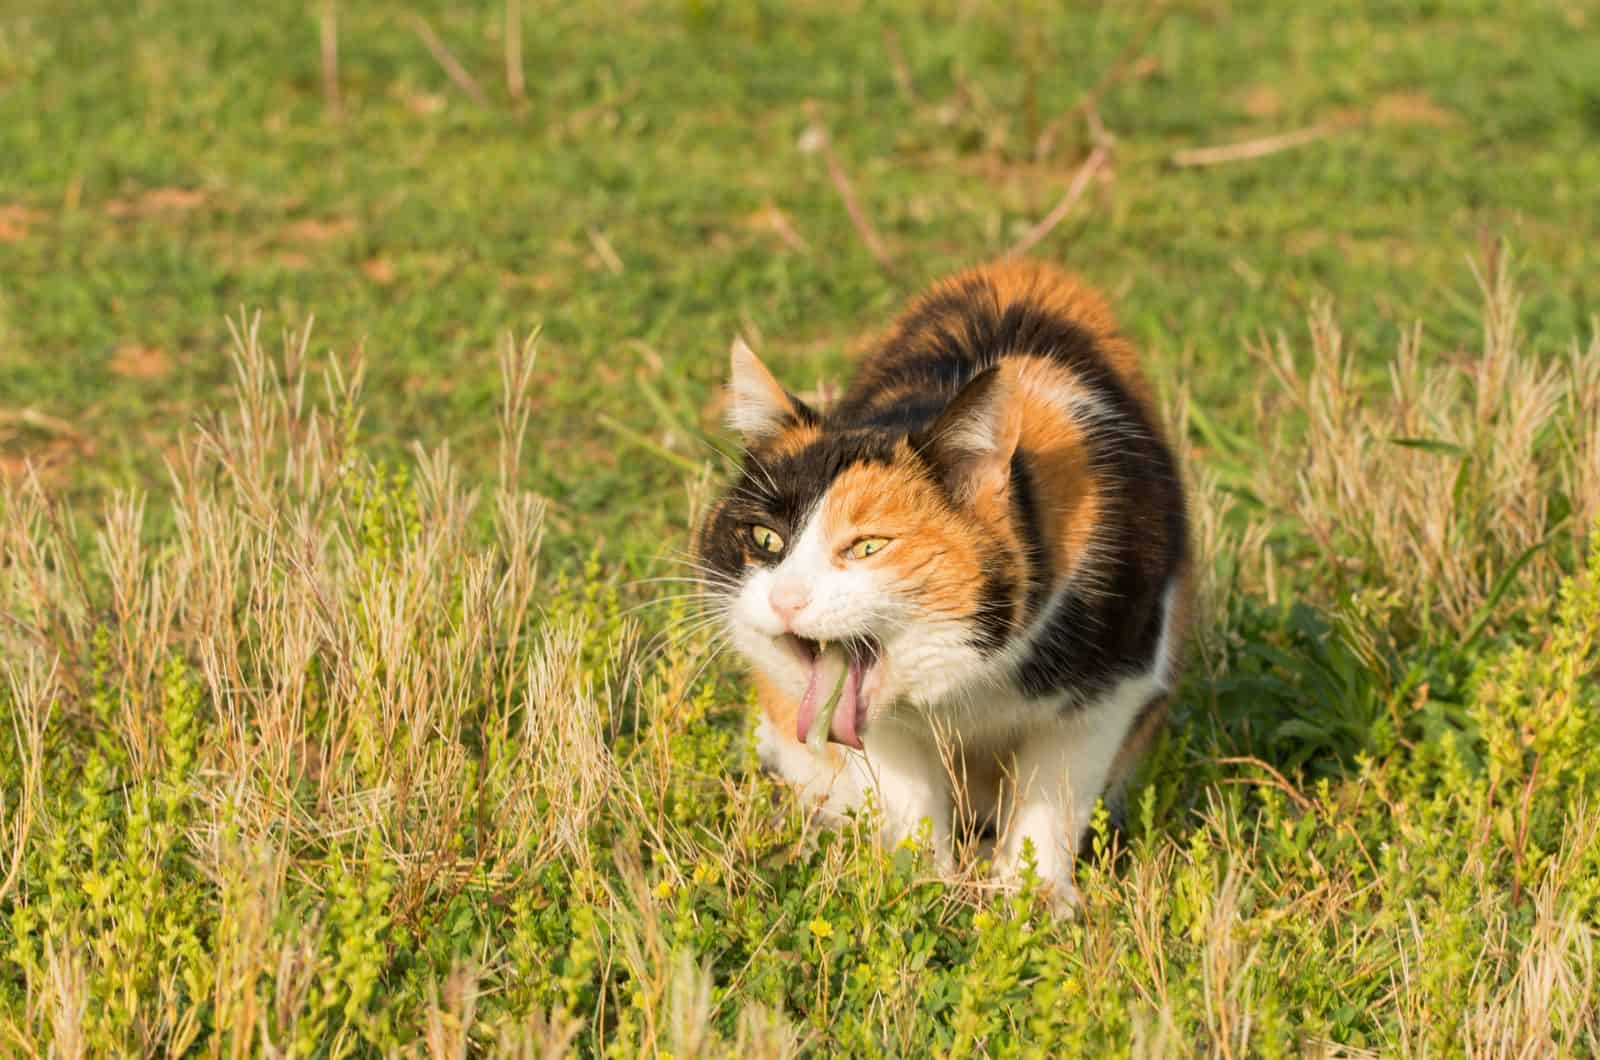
x,y
912,784
1060,773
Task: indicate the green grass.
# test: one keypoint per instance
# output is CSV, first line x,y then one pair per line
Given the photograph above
x,y
341,791
669,128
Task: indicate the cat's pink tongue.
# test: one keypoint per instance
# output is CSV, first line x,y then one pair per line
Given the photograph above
x,y
825,671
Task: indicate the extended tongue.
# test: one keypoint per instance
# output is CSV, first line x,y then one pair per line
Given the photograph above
x,y
838,678
815,717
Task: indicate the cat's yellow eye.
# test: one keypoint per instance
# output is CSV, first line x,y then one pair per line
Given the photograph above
x,y
766,538
867,546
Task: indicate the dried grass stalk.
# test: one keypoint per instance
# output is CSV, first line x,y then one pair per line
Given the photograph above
x,y
1457,481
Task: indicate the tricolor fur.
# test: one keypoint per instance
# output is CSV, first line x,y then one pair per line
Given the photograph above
x,y
990,527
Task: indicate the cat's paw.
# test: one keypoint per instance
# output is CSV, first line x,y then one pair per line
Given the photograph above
x,y
1054,883
1061,898
834,781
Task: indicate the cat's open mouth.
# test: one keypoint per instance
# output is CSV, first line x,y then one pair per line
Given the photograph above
x,y
834,706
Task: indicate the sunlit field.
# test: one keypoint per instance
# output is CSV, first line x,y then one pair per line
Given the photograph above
x,y
359,375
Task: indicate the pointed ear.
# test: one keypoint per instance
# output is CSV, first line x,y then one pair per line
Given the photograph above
x,y
975,437
758,405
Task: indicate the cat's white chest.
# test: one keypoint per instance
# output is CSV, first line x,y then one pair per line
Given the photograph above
x,y
1033,766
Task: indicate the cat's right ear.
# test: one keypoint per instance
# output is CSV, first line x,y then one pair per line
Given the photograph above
x,y
975,437
758,405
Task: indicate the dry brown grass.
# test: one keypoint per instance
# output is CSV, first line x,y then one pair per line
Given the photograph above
x,y
1463,471
343,704
372,662
268,589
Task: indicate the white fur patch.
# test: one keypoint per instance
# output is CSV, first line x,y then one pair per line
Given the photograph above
x,y
1062,768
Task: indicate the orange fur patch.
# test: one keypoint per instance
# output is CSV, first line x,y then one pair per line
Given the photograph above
x,y
890,396
792,440
1065,488
1064,295
782,711
778,707
935,553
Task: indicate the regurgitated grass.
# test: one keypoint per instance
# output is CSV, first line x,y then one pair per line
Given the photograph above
x,y
817,738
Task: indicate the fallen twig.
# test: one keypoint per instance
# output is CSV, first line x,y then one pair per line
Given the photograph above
x,y
1074,192
1277,780
1126,64
1247,149
453,69
1127,61
40,421
330,58
899,67
841,183
605,251
1099,135
515,83
779,222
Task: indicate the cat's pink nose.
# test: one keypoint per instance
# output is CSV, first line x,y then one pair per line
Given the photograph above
x,y
788,599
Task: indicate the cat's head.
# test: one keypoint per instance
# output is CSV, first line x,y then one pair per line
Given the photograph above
x,y
874,561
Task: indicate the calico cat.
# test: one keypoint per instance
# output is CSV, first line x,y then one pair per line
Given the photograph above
x,y
969,576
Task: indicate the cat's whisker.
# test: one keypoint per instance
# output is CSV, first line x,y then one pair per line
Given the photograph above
x,y
676,636
690,627
664,602
695,565
692,621
687,594
671,579
715,650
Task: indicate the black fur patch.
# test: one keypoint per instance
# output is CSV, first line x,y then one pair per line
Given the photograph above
x,y
995,618
1036,556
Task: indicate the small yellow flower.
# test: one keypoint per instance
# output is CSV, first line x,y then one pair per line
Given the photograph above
x,y
664,889
821,928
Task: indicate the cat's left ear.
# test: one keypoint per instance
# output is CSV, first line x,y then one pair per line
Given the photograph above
x,y
975,437
758,405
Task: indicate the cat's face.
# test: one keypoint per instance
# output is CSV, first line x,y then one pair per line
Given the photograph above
x,y
864,561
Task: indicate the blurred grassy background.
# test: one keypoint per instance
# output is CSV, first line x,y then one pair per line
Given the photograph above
x,y
164,164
